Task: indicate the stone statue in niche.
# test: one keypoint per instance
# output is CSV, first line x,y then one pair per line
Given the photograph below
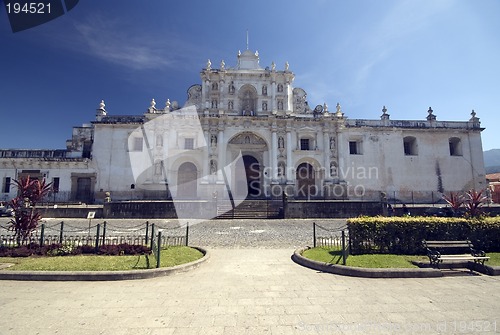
x,y
213,141
280,87
247,139
333,169
264,90
231,88
281,169
332,143
264,106
280,105
213,167
230,105
281,142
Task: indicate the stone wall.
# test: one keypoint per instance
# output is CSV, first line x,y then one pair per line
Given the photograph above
x,y
331,209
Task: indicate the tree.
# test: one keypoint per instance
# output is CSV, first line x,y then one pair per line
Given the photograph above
x,y
26,218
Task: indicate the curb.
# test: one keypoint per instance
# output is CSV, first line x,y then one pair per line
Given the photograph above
x,y
362,272
103,275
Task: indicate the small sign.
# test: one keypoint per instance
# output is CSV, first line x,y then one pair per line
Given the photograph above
x,y
90,215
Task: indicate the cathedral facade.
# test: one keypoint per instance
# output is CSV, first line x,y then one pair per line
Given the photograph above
x,y
248,130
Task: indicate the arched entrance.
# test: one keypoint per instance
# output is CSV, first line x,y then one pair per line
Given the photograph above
x,y
306,183
253,150
252,173
186,181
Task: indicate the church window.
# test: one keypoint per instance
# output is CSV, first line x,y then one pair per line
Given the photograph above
x,y
189,143
6,185
215,86
410,146
304,144
455,146
55,184
355,147
137,144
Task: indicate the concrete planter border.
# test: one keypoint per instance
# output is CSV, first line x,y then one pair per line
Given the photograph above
x,y
362,272
425,271
102,275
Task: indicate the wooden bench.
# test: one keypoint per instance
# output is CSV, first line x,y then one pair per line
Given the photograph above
x,y
439,251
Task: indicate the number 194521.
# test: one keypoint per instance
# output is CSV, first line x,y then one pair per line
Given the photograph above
x,y
28,8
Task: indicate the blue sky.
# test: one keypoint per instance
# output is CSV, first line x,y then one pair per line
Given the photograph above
x,y
407,55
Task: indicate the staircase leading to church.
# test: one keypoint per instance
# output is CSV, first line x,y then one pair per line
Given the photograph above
x,y
251,209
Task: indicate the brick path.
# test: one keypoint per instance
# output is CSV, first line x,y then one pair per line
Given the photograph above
x,y
253,291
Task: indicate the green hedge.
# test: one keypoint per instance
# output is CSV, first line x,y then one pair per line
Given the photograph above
x,y
404,235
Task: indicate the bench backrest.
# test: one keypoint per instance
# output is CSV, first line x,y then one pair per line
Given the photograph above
x,y
447,244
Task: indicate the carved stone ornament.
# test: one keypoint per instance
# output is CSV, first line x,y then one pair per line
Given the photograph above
x,y
247,138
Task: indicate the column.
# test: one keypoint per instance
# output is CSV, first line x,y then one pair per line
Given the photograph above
x,y
289,169
206,156
274,161
326,152
286,101
273,96
221,161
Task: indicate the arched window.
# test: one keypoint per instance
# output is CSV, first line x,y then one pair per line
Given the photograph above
x,y
410,146
455,146
248,100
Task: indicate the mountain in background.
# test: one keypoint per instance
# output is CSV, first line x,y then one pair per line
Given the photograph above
x,y
492,161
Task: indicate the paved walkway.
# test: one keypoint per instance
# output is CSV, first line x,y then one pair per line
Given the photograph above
x,y
253,291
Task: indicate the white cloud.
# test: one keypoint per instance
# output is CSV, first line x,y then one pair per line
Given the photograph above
x,y
110,42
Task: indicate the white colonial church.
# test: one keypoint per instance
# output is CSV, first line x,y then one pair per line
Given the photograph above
x,y
255,114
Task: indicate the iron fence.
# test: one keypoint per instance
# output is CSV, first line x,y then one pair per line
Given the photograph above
x,y
333,238
104,234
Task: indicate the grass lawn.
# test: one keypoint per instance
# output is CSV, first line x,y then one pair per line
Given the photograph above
x,y
334,256
169,257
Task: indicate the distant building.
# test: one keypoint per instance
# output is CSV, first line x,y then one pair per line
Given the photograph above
x,y
494,186
310,152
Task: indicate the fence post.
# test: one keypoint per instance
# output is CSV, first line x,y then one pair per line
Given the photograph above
x,y
187,234
42,231
158,250
343,248
314,234
104,233
61,232
152,234
97,237
147,231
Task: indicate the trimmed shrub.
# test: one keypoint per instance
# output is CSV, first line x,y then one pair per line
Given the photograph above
x,y
404,235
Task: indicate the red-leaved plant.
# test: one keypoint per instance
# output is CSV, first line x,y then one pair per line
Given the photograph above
x,y
455,200
473,203
26,218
